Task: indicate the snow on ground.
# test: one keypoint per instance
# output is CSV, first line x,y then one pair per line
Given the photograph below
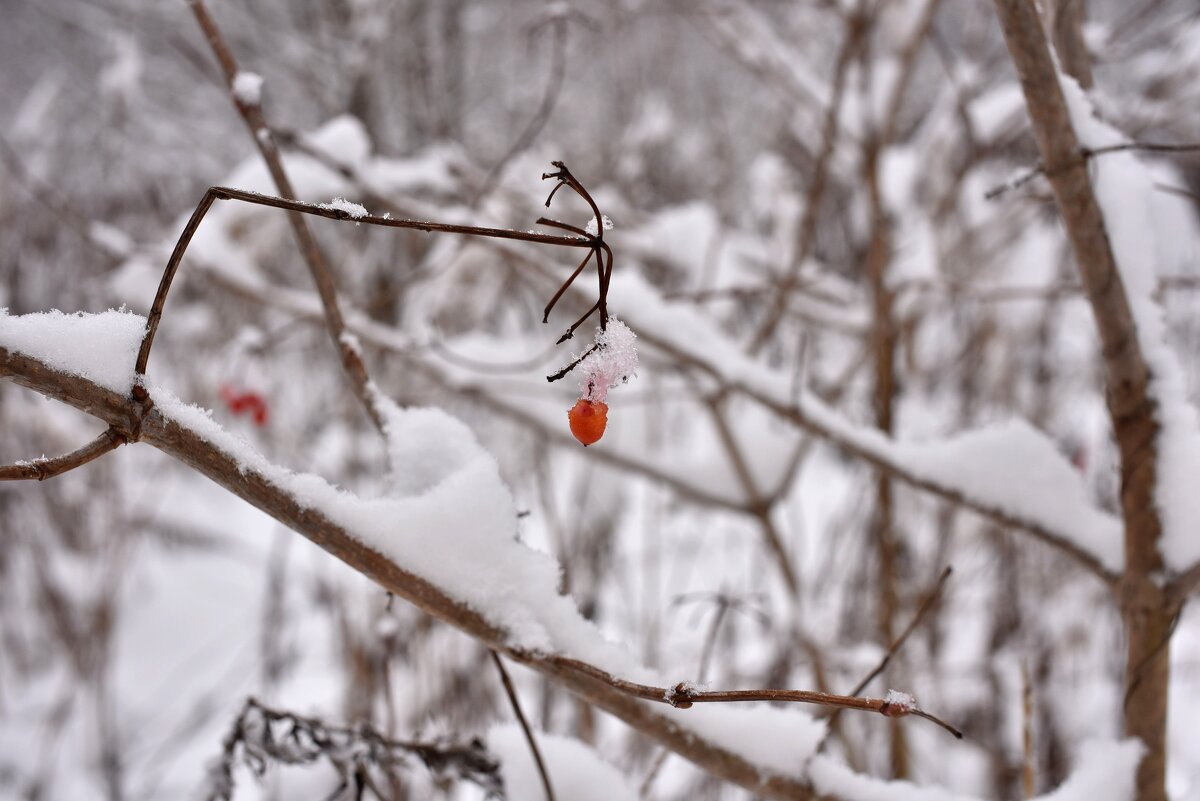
x,y
575,771
1104,772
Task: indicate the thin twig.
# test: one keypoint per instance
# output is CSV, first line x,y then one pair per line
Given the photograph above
x,y
42,469
516,706
1087,153
260,733
574,363
930,599
926,604
564,177
260,133
683,695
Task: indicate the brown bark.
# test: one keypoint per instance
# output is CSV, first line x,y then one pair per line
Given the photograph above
x,y
1146,613
883,343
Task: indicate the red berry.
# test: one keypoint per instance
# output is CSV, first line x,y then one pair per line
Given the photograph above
x,y
588,419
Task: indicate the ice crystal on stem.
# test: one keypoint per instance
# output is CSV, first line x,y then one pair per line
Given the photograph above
x,y
611,360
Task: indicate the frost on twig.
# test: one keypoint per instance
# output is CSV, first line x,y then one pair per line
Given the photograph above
x,y
611,359
897,704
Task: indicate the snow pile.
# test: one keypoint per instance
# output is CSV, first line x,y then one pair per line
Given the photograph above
x,y
613,360
247,88
1013,467
1151,235
354,210
99,347
1103,770
1009,466
575,771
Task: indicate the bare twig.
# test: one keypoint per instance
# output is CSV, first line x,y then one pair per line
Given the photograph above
x,y
930,599
513,701
684,695
560,374
564,177
42,469
1088,153
926,604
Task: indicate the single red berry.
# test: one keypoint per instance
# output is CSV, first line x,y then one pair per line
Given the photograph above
x,y
588,419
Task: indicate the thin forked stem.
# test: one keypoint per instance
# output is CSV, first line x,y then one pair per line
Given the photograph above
x,y
226,193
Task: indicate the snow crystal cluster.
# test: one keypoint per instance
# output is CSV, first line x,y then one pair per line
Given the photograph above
x,y
247,88
354,210
592,229
612,359
901,701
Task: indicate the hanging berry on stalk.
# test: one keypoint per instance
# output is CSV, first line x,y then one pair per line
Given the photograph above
x,y
612,358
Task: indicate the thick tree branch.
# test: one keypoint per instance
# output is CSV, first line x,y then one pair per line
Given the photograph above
x,y
129,418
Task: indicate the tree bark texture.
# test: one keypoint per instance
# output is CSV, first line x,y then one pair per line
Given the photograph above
x,y
1145,611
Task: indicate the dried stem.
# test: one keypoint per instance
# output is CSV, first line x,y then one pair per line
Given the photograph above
x,y
260,734
300,207
511,692
683,695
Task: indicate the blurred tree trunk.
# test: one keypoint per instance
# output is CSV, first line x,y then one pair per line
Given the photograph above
x,y
1064,21
883,346
1145,611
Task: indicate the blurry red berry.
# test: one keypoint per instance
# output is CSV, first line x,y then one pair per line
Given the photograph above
x,y
245,402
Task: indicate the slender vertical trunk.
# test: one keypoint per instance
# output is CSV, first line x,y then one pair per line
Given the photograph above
x,y
1146,613
883,341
